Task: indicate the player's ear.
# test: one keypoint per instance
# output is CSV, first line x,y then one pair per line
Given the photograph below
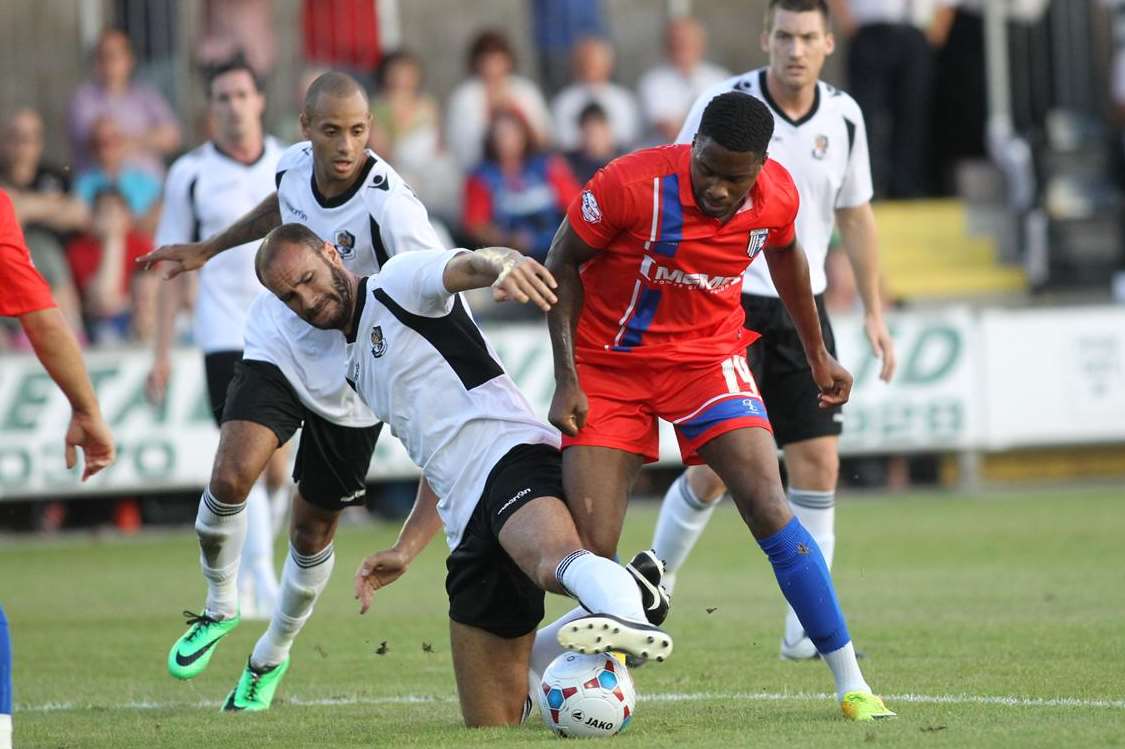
x,y
829,42
330,254
765,41
303,119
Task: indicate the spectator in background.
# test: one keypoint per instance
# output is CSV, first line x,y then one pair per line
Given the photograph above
x,y
238,27
668,90
492,86
593,67
519,194
596,144
556,26
42,200
960,112
343,35
118,299
406,129
141,114
140,189
890,71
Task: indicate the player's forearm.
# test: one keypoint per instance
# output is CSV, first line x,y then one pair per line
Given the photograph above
x,y
857,230
57,349
422,523
562,320
789,269
256,224
168,300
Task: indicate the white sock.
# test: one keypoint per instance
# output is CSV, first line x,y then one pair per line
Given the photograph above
x,y
547,648
845,669
817,512
222,532
5,732
257,555
601,585
683,517
302,580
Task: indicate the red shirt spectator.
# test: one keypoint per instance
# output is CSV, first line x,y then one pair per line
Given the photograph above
x,y
342,33
84,253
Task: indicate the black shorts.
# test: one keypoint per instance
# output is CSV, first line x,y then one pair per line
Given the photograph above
x,y
782,372
219,366
332,460
486,588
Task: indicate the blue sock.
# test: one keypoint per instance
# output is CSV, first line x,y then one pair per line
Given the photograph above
x,y
5,667
806,583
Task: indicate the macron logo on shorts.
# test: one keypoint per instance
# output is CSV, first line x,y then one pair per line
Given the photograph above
x,y
519,495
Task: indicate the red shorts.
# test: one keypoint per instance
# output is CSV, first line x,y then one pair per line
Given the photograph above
x,y
701,401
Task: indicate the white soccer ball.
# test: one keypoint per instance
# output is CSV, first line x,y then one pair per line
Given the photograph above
x,y
582,696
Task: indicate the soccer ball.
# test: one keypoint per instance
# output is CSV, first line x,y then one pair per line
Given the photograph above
x,y
586,696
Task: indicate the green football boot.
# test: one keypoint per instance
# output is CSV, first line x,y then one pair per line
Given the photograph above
x,y
192,652
255,689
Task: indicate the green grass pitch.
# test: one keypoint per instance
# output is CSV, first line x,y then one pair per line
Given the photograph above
x,y
994,620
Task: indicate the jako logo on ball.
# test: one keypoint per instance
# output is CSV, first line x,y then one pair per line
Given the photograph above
x,y
586,696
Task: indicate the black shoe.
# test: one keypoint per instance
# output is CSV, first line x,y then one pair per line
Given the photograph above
x,y
648,571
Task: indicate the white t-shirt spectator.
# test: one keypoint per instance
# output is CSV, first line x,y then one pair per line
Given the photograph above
x,y
468,116
617,101
667,94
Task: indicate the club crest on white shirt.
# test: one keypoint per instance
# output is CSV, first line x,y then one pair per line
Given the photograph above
x,y
820,147
757,242
591,212
345,242
378,342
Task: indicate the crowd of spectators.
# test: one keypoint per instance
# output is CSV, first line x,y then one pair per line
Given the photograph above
x,y
496,162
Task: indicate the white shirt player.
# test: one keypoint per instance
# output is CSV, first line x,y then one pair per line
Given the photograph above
x,y
421,364
378,218
826,154
205,192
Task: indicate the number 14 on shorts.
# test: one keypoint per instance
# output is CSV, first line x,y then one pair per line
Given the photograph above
x,y
736,371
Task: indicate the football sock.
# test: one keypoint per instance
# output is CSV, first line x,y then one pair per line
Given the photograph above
x,y
845,670
806,583
302,580
222,532
257,554
601,585
5,684
817,512
683,517
547,648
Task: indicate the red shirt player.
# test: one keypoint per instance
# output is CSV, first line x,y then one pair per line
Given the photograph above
x,y
649,325
24,294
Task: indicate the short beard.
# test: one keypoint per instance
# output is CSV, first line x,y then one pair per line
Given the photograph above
x,y
343,295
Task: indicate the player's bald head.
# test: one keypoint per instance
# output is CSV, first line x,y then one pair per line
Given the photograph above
x,y
331,85
282,246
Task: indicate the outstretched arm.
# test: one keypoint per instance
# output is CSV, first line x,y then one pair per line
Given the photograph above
x,y
568,252
188,257
789,269
57,349
857,229
511,274
384,567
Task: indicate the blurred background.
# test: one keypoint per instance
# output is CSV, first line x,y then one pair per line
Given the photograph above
x,y
997,152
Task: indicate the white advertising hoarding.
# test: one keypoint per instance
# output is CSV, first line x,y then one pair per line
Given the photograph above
x,y
1055,376
929,406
